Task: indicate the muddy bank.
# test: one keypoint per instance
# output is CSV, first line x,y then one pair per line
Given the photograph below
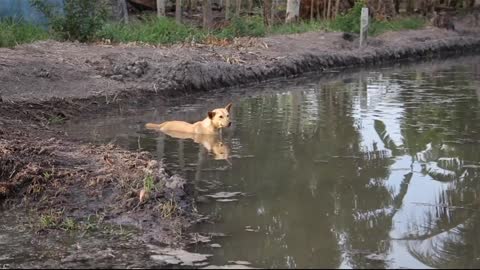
x,y
105,74
58,178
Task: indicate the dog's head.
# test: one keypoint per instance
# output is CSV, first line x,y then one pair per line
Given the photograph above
x,y
221,117
220,151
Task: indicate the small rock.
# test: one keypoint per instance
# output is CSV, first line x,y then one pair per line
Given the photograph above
x,y
376,257
138,72
198,238
228,267
227,200
215,245
171,260
117,77
186,258
224,195
240,262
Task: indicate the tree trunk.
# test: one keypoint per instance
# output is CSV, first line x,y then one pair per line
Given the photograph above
x,y
325,9
178,11
238,8
160,8
250,6
329,6
193,5
312,2
397,6
337,7
122,7
267,10
227,9
207,13
293,11
410,6
272,11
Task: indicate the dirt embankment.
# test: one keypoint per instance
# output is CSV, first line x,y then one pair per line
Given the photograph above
x,y
49,82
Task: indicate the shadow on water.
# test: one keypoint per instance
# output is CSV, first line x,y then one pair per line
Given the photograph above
x,y
371,169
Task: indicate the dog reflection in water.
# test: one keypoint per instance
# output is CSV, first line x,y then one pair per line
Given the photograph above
x,y
211,142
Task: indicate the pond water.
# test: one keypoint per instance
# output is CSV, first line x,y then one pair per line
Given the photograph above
x,y
378,168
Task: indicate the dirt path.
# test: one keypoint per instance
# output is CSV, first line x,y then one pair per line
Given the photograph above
x,y
49,82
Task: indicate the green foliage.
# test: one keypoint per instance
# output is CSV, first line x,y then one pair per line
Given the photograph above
x,y
69,224
409,23
243,26
49,221
80,19
150,30
349,22
15,31
148,183
85,20
301,27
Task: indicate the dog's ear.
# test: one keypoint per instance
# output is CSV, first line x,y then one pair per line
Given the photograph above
x,y
228,107
211,115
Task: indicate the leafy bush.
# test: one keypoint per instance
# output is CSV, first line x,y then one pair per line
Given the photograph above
x,y
78,20
349,22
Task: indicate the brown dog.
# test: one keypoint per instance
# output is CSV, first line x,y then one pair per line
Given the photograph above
x,y
215,121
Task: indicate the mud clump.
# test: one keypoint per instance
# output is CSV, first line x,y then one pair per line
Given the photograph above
x,y
132,70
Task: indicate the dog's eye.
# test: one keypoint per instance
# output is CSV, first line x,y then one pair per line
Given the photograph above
x,y
221,116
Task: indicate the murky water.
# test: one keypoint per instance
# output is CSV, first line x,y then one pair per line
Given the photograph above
x,y
374,169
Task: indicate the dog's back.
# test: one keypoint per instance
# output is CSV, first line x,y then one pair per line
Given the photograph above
x,y
172,126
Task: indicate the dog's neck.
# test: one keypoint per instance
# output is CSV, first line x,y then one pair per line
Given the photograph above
x,y
207,124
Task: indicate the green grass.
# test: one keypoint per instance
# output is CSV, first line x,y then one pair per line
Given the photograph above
x,y
242,27
151,30
14,32
408,23
49,221
301,27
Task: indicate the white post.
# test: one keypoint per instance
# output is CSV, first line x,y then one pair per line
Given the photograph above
x,y
363,27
